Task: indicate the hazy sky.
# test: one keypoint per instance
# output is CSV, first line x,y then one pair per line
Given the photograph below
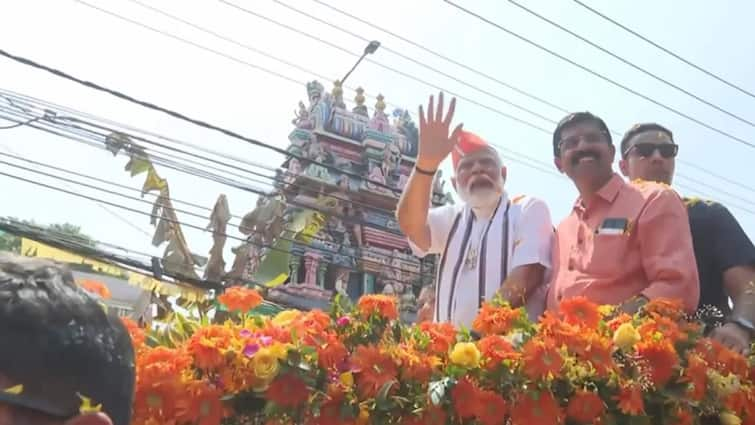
x,y
94,46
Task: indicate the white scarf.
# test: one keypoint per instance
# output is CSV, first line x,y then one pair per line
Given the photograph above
x,y
492,263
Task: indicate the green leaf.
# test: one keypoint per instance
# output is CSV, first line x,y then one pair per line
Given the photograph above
x,y
382,395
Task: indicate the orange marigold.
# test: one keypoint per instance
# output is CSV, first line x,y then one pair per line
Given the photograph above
x,y
465,399
331,353
630,399
374,368
529,409
585,406
696,376
580,311
240,298
683,416
671,308
208,345
540,359
288,391
619,320
205,407
562,333
492,408
661,360
442,336
96,287
663,326
137,334
492,320
495,349
381,305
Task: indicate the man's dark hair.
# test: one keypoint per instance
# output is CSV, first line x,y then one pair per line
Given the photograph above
x,y
58,342
574,119
642,128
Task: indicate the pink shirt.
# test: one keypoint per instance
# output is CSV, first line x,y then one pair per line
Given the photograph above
x,y
596,257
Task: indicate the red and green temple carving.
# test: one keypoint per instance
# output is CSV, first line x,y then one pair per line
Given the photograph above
x,y
329,227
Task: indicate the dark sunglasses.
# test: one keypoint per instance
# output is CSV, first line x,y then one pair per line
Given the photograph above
x,y
667,150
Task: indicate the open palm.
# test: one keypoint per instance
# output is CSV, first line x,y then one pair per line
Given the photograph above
x,y
435,142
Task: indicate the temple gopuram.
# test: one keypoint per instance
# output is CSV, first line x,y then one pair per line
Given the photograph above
x,y
329,227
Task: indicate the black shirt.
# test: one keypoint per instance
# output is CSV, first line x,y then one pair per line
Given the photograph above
x,y
720,243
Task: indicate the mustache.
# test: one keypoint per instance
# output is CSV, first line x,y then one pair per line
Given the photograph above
x,y
584,153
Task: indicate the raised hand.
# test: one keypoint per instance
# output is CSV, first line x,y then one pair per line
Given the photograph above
x,y
435,142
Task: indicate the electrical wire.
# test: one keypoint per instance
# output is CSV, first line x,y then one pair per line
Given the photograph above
x,y
183,117
632,64
665,50
521,91
218,179
601,76
174,150
441,56
189,225
340,48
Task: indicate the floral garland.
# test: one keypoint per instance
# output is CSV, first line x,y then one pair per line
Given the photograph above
x,y
587,364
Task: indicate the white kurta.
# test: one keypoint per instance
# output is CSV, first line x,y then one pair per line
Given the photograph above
x,y
527,226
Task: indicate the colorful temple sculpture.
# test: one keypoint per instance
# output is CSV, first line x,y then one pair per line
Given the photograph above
x,y
329,227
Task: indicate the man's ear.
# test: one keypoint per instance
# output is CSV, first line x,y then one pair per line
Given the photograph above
x,y
624,167
504,171
98,418
557,162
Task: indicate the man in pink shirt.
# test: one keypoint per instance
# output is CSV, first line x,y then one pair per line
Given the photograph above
x,y
623,243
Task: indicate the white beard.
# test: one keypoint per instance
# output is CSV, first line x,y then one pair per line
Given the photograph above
x,y
481,197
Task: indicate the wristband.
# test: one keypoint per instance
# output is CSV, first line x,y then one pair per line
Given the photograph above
x,y
425,172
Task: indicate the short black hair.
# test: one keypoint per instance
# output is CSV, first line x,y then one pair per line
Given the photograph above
x,y
573,119
58,342
641,128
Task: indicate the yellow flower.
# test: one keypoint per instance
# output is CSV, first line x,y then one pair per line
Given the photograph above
x,y
465,354
723,386
364,416
285,317
278,350
606,310
265,364
728,418
626,336
86,406
347,379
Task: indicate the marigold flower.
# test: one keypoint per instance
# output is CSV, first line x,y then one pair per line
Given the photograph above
x,y
529,410
240,298
493,319
630,399
540,359
288,391
585,406
495,349
137,334
374,368
442,336
580,311
661,359
96,287
465,354
464,396
381,305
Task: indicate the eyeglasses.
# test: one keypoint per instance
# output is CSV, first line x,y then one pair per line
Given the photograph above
x,y
667,150
573,141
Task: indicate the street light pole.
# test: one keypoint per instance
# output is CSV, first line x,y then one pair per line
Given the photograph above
x,y
370,49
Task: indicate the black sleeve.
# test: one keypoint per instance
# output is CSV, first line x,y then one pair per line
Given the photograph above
x,y
731,247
